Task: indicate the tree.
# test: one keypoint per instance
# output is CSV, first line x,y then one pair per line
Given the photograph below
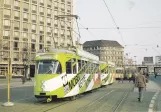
x,y
27,61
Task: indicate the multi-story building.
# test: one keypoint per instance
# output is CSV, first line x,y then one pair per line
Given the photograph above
x,y
107,50
157,60
26,26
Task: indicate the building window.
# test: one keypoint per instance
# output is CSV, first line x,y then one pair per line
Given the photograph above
x,y
6,33
33,36
6,23
16,13
33,46
25,15
7,13
7,2
16,25
48,29
15,44
41,9
56,30
48,11
41,1
41,18
25,35
34,18
41,37
16,34
25,6
40,46
33,27
34,8
41,28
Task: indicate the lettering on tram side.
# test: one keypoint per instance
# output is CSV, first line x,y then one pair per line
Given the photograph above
x,y
88,81
74,81
65,83
81,82
105,79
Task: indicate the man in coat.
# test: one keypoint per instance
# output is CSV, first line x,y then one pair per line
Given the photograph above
x,y
141,84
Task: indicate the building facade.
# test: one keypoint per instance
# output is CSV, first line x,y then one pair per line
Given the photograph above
x,y
157,60
148,61
27,26
107,50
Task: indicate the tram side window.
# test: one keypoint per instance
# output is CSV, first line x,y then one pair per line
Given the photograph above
x,y
71,66
59,70
68,67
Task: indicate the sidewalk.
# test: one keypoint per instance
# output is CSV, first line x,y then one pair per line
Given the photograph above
x,y
150,87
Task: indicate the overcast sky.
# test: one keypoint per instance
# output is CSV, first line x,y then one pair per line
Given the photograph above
x,y
139,22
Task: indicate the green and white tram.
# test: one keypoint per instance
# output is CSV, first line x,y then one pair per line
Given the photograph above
x,y
63,73
119,72
107,73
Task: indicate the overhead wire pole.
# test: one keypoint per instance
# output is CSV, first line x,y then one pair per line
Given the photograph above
x,y
114,21
76,17
78,28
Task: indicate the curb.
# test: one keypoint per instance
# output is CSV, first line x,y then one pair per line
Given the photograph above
x,y
151,105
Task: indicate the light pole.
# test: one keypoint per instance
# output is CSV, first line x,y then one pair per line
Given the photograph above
x,y
8,103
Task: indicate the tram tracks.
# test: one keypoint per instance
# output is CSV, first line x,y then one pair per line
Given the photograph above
x,y
112,102
43,106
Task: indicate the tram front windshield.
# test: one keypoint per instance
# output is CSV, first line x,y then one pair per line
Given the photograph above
x,y
47,67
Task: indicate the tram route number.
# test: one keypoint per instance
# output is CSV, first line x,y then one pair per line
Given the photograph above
x,y
65,83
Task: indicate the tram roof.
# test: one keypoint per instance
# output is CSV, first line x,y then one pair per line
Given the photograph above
x,y
80,53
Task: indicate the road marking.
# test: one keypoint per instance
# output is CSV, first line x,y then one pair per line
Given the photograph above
x,y
151,105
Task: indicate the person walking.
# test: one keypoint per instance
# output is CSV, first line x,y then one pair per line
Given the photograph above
x,y
23,79
141,84
133,77
155,74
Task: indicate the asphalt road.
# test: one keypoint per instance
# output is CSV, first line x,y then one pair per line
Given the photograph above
x,y
117,97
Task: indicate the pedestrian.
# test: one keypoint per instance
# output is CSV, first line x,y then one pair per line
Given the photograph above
x,y
155,74
23,79
133,77
140,82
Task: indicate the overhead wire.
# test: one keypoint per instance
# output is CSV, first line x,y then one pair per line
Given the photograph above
x,y
87,30
126,28
114,21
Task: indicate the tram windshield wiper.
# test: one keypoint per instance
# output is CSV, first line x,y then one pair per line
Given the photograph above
x,y
47,71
